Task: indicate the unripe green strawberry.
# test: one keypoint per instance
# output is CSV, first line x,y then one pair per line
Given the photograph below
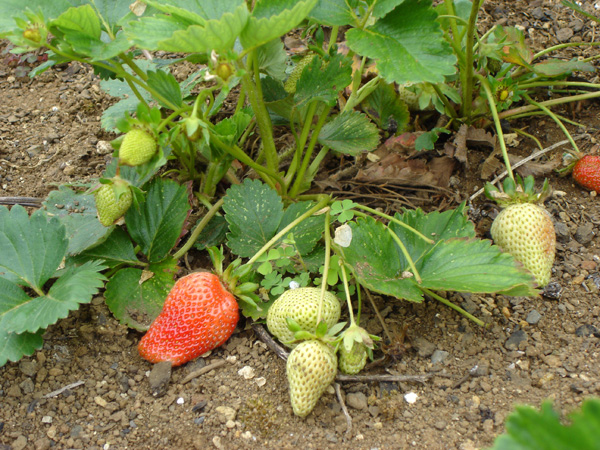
x,y
302,305
408,97
138,147
526,231
292,81
224,71
311,367
33,34
112,203
354,360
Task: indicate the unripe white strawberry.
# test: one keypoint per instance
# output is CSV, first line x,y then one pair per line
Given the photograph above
x,y
354,360
311,368
526,231
138,147
301,305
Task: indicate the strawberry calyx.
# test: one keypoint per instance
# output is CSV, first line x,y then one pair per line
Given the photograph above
x,y
517,191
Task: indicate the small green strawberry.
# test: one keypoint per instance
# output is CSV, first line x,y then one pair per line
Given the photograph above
x,y
311,367
292,81
138,147
410,98
524,229
354,360
112,201
301,305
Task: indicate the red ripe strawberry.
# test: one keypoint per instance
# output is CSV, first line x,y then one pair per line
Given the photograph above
x,y
199,314
586,172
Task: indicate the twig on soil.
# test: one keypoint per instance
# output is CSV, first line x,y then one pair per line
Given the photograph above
x,y
204,370
23,201
338,392
526,160
267,339
63,389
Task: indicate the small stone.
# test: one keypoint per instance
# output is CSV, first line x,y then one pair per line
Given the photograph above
x,y
411,397
563,232
100,401
159,378
515,339
28,368
533,317
47,419
584,233
247,372
42,444
19,443
439,356
440,425
552,290
564,34
226,413
423,347
230,424
217,443
588,265
586,330
247,435
14,391
104,148
357,400
69,170
488,426
553,361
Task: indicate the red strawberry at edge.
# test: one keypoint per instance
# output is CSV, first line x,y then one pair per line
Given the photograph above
x,y
586,172
199,314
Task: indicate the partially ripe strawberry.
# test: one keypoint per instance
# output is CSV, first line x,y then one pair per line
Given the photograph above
x,y
526,231
586,172
199,315
112,202
302,305
311,367
138,147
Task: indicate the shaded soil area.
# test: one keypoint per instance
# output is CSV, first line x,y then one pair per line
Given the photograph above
x,y
89,389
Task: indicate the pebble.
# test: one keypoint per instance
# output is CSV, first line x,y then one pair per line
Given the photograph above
x,y
515,339
440,425
247,372
100,401
19,443
357,400
423,347
159,378
226,413
586,330
439,356
584,233
28,368
564,34
533,317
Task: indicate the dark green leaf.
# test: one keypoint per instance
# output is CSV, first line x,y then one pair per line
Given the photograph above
x,y
322,81
384,104
157,223
136,297
374,256
213,234
407,44
332,13
254,212
350,133
306,234
149,32
529,429
272,19
77,212
271,59
116,249
167,86
31,248
75,285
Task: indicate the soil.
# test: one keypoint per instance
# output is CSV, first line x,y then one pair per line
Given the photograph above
x,y
89,389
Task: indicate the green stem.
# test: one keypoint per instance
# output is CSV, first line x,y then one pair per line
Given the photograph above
x,y
347,291
556,120
194,236
309,151
447,105
301,141
468,72
333,38
316,162
453,306
560,46
323,201
499,133
554,102
527,85
254,92
358,95
270,177
396,221
326,264
404,251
